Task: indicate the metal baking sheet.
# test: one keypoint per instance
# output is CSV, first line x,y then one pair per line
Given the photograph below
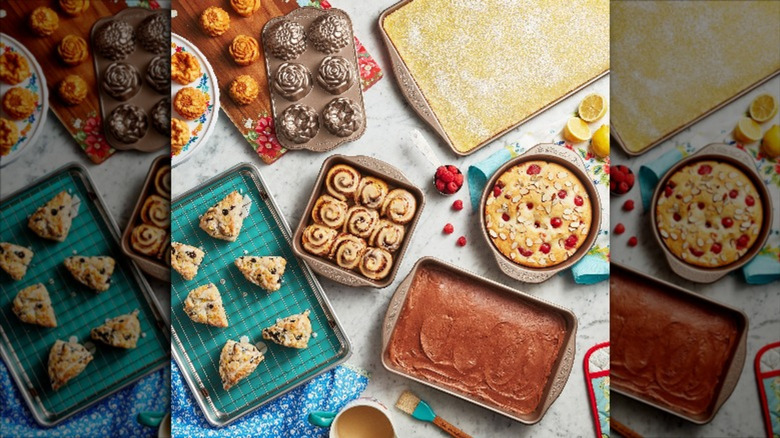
x,y
25,348
196,347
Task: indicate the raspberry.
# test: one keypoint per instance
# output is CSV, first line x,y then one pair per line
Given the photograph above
x,y
570,241
677,217
727,222
461,241
733,194
459,179
620,229
578,201
630,179
622,169
496,191
716,248
623,188
556,222
525,252
457,205
628,205
505,217
440,185
619,177
562,194
447,177
440,171
696,252
453,169
452,188
668,191
705,169
530,205
545,248
742,242
533,169
632,241
612,185
749,201
449,229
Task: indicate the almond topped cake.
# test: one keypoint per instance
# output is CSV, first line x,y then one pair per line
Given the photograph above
x,y
709,214
538,214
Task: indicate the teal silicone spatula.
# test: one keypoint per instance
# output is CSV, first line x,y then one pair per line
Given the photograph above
x,y
412,405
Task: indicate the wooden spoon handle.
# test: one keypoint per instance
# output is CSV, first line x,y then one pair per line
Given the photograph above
x,y
449,428
622,429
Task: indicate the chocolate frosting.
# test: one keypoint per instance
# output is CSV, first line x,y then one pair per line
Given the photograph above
x,y
292,81
161,116
342,117
335,74
115,40
154,33
158,74
299,123
121,81
128,123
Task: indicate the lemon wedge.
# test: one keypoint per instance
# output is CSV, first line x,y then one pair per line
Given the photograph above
x,y
747,130
592,108
576,130
763,108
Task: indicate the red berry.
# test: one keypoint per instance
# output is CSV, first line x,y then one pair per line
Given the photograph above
x,y
457,205
459,179
742,242
530,205
668,191
630,179
452,188
533,169
570,241
628,205
619,177
620,229
705,169
672,184
496,191
623,187
697,252
677,217
447,177
562,194
632,241
556,222
545,248
449,229
749,201
612,185
733,194
453,169
440,185
622,168
505,217
440,171
716,248
578,201
727,222
525,252
700,205
461,241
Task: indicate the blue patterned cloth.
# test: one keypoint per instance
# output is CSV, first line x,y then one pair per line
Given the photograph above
x,y
114,416
285,417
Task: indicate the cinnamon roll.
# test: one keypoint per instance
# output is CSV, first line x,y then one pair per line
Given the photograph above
x,y
162,181
399,206
329,211
361,221
156,211
318,239
347,250
342,181
388,236
371,192
376,263
148,240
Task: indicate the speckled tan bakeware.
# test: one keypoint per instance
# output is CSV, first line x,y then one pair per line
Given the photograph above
x,y
154,267
571,161
560,371
366,166
736,362
741,160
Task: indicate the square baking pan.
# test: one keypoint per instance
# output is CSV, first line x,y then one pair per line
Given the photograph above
x,y
561,368
196,347
684,381
25,348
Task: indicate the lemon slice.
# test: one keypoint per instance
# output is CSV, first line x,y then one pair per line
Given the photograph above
x,y
771,143
763,108
592,108
747,130
576,130
600,141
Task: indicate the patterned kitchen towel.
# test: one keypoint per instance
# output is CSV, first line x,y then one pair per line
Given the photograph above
x,y
114,416
284,417
767,368
596,364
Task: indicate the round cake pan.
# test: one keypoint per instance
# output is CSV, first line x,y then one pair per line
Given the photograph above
x,y
572,162
741,160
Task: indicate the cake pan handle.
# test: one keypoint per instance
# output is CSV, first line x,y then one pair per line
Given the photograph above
x,y
519,273
729,151
381,167
558,151
334,274
689,272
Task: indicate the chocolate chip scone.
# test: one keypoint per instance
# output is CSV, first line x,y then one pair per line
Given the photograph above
x,y
538,214
33,306
237,361
265,272
53,220
66,361
204,305
709,214
293,331
186,259
14,259
121,331
224,220
93,272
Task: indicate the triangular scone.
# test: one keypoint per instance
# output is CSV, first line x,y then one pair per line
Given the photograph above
x,y
53,220
93,272
121,332
224,220
33,306
186,259
265,272
14,259
66,361
293,331
204,305
237,361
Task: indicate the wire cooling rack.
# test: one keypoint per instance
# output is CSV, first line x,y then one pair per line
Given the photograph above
x,y
25,348
249,308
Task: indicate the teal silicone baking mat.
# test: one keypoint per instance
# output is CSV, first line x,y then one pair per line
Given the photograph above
x,y
249,308
25,347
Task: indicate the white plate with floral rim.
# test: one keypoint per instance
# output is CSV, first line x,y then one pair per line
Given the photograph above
x,y
201,127
31,127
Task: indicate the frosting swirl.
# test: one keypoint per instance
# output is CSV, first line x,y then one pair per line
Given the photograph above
x,y
329,211
342,117
388,236
121,81
361,221
72,50
335,74
342,181
158,74
318,239
376,263
244,49
156,211
292,81
399,206
245,8
347,251
371,192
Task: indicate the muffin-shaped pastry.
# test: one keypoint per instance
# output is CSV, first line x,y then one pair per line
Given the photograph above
x,y
244,90
342,117
44,21
244,49
13,68
115,40
185,67
336,74
154,33
190,102
121,81
342,181
156,211
9,135
72,90
19,103
371,192
361,221
73,50
286,40
148,240
298,123
158,75
329,33
245,8
214,21
376,263
399,206
162,181
292,81
329,211
161,116
348,250
128,123
388,236
180,135
74,8
318,239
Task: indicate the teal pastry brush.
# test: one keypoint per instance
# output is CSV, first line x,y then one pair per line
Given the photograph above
x,y
412,405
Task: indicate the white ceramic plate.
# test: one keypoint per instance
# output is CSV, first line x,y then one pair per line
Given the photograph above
x,y
202,127
31,127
